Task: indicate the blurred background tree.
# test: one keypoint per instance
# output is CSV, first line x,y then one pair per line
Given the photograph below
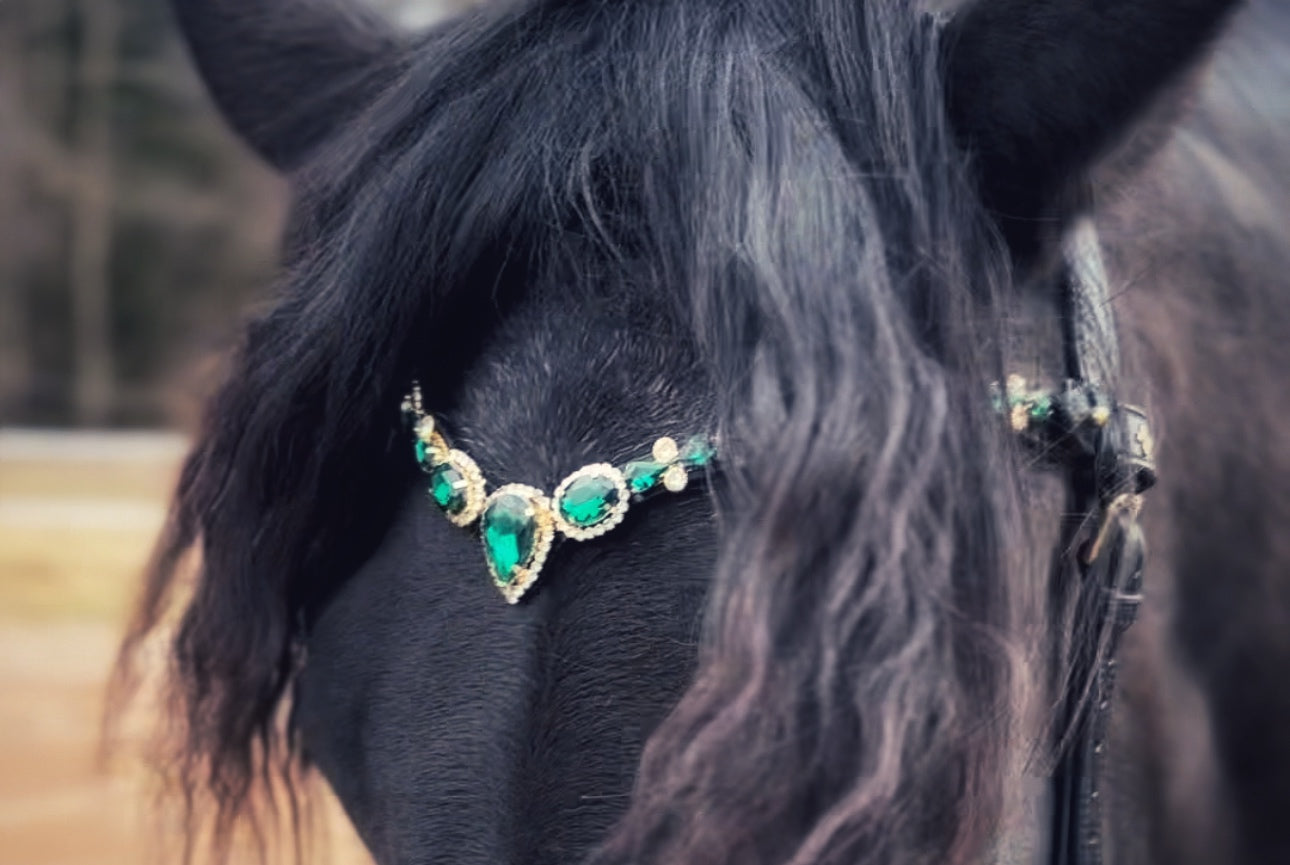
x,y
136,234
135,231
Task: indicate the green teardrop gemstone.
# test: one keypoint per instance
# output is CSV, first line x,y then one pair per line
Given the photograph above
x,y
448,488
698,452
509,530
642,476
588,501
425,456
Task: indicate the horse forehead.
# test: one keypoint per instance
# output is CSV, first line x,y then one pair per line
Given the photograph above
x,y
566,382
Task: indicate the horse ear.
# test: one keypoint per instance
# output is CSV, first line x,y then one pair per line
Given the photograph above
x,y
1040,89
285,73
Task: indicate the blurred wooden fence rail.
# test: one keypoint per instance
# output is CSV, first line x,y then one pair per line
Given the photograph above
x,y
78,514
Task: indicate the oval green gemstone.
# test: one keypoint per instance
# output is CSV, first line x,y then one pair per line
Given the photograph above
x,y
448,488
425,456
589,500
509,531
643,475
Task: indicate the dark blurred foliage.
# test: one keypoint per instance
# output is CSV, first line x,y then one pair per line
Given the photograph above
x,y
135,231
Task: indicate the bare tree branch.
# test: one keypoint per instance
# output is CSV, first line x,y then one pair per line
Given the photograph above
x,y
15,354
91,211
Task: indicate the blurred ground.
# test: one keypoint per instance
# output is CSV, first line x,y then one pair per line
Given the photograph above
x,y
78,514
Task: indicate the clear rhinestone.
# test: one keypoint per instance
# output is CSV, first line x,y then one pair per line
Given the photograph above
x,y
666,450
675,479
425,428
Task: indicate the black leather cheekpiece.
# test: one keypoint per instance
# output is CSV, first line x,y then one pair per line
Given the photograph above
x,y
1109,453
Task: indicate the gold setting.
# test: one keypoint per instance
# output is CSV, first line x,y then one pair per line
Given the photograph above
x,y
475,492
616,514
438,445
544,535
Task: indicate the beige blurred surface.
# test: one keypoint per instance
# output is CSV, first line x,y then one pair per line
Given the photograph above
x,y
78,513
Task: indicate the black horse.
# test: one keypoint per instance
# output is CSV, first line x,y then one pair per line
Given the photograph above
x,y
817,231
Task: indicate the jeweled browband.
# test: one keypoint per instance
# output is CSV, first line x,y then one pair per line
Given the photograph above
x,y
519,524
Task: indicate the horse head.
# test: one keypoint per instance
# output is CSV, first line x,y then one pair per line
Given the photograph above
x,y
815,231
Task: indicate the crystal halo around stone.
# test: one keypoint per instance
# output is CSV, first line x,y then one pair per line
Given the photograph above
x,y
517,529
457,487
590,502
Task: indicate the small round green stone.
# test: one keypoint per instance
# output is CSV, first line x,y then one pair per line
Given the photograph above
x,y
589,500
425,456
509,531
1042,408
448,487
643,475
698,452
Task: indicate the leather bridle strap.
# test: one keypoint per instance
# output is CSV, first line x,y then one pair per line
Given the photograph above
x,y
1103,550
